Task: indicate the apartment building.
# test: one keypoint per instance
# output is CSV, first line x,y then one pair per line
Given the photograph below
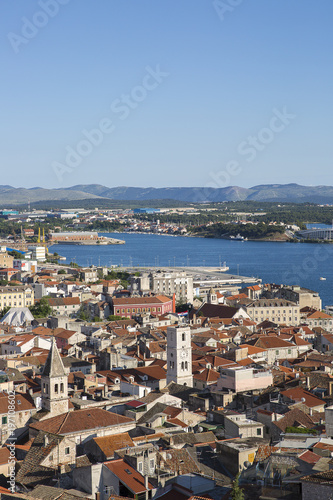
x,y
6,260
166,283
16,296
278,311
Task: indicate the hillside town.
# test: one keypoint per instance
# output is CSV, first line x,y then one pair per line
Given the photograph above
x,y
145,385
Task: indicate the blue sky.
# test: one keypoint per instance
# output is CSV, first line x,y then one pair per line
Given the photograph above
x,y
178,92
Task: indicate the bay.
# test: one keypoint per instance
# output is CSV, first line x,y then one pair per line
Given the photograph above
x,y
274,262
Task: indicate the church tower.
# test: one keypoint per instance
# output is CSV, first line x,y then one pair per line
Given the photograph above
x,y
212,297
179,355
54,384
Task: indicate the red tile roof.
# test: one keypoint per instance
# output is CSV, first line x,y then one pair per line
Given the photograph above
x,y
80,420
132,479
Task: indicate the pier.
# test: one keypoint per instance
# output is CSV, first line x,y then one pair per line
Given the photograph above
x,y
202,276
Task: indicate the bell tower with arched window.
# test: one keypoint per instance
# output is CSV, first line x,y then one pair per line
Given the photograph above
x,y
54,383
179,356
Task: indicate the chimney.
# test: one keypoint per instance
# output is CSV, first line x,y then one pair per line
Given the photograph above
x,y
308,385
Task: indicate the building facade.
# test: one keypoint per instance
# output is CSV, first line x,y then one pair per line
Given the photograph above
x,y
179,356
16,296
278,311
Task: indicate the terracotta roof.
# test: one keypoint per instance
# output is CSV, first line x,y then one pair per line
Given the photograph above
x,y
207,375
272,342
309,457
298,393
23,402
294,418
180,461
4,455
140,300
109,444
80,420
31,472
320,477
64,301
128,476
319,315
178,422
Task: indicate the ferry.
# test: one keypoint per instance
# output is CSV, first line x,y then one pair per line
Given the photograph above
x,y
238,237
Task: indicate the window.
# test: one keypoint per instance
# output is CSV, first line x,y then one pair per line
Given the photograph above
x,y
4,420
56,388
259,431
67,450
140,466
183,337
61,387
151,463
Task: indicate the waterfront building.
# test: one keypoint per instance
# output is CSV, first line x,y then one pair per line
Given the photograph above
x,y
74,236
37,253
168,283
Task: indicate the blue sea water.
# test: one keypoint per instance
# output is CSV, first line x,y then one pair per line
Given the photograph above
x,y
274,262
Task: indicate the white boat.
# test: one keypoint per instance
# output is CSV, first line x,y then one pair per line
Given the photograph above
x,y
238,237
322,279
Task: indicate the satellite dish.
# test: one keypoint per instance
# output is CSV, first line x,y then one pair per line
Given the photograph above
x,y
303,400
200,429
169,456
247,464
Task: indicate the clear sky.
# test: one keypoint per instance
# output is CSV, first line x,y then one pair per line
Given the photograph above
x,y
178,92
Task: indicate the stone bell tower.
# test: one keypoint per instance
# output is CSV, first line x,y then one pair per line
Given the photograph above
x,y
54,384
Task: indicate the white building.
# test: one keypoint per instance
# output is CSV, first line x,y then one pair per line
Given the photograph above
x,y
179,356
25,265
37,253
242,379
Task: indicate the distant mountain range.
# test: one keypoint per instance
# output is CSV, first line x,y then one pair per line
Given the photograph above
x,y
266,192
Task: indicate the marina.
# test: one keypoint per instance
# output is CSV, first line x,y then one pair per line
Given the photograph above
x,y
293,263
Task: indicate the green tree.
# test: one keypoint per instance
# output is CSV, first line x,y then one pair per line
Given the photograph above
x,y
237,492
41,309
83,314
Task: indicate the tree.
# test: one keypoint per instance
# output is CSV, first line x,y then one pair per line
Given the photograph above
x,y
41,309
83,314
236,492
